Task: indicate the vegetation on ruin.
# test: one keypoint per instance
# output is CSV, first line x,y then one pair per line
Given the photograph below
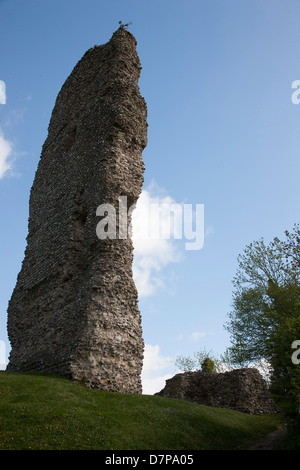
x,y
264,322
265,317
49,412
124,25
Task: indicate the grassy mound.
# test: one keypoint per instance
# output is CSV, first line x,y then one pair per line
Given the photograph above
x,y
49,412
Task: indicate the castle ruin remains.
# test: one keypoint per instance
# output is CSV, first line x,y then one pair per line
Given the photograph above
x,y
74,310
242,390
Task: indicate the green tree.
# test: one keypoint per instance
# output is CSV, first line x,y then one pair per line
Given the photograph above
x,y
185,363
265,316
202,359
208,365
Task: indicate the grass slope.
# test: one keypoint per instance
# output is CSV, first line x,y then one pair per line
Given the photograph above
x,y
49,412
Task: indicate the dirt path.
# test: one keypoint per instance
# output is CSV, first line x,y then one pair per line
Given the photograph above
x,y
267,442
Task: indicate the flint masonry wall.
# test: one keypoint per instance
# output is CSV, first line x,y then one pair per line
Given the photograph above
x,y
74,310
241,390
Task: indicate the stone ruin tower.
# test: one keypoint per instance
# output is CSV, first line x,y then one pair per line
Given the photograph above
x,y
74,310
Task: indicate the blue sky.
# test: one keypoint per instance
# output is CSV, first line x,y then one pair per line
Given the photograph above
x,y
223,131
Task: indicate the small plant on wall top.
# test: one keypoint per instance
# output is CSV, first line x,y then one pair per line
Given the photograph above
x,y
124,25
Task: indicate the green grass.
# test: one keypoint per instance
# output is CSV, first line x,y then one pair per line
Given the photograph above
x,y
49,412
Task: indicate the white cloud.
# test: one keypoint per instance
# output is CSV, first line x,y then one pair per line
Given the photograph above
x,y
156,370
152,254
2,92
2,355
14,117
5,152
209,230
197,335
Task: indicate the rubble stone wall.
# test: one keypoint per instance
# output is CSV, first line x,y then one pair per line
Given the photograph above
x,y
241,390
74,310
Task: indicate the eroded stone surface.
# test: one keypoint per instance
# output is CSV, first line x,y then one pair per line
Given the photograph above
x,y
241,390
74,310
